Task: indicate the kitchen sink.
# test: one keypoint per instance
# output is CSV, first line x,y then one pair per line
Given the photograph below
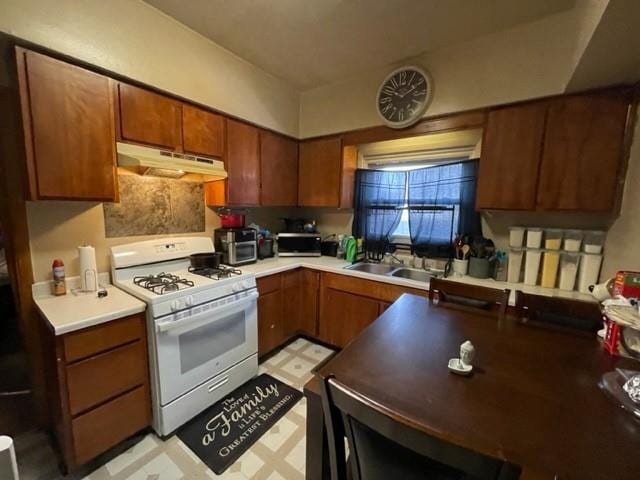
x,y
377,268
408,273
392,271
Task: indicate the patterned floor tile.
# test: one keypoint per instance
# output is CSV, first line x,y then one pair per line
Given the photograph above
x,y
132,455
278,455
278,434
316,352
297,366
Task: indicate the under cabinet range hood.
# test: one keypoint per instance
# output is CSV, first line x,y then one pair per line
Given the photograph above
x,y
162,163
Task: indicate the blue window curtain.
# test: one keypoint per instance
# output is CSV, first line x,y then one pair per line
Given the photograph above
x,y
441,202
379,198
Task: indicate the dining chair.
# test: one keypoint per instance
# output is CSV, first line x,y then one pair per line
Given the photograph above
x,y
383,445
473,298
565,313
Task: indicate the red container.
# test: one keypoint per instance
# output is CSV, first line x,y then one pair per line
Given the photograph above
x,y
627,284
231,220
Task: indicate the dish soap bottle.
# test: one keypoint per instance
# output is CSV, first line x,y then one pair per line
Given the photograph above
x,y
59,283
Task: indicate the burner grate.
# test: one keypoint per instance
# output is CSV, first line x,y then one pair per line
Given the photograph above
x,y
162,283
215,273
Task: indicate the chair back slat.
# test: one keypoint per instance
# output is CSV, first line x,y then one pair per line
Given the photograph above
x,y
385,445
565,313
474,298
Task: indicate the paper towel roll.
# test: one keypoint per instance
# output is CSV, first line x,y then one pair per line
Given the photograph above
x,y
88,268
8,464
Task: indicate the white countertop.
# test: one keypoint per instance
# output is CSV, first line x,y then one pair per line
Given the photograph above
x,y
75,311
275,265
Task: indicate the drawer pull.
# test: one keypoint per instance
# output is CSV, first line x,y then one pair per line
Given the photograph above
x,y
215,386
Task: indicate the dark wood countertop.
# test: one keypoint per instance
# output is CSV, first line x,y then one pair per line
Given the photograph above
x,y
533,399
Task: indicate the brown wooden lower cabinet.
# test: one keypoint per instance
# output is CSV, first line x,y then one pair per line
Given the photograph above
x,y
348,305
344,315
292,304
333,308
286,307
98,387
310,293
270,321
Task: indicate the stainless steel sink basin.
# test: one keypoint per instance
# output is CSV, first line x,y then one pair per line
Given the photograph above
x,y
377,268
418,275
392,271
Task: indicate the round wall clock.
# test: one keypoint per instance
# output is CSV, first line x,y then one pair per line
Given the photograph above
x,y
404,96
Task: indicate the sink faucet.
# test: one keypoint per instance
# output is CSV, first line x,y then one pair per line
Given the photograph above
x,y
390,259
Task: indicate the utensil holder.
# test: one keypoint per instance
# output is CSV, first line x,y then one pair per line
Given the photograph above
x,y
460,267
479,267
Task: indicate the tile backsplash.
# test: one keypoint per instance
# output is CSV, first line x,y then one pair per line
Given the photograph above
x,y
155,206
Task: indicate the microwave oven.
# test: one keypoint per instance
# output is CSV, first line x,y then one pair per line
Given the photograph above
x,y
299,244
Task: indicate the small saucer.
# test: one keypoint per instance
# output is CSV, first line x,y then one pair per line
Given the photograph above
x,y
456,366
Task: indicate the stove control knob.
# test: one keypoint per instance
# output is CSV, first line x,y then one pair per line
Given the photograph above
x,y
188,301
176,305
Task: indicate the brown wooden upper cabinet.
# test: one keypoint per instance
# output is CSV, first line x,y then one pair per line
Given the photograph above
x,y
583,152
150,118
558,154
326,173
202,132
508,170
278,170
69,129
243,164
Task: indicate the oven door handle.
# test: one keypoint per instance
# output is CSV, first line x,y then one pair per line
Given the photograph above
x,y
172,326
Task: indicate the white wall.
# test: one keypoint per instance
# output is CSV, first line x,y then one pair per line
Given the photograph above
x,y
134,39
532,60
623,241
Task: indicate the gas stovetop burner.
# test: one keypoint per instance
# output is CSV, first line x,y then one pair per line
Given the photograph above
x,y
162,283
215,273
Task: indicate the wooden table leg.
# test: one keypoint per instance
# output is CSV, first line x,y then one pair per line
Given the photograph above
x,y
317,461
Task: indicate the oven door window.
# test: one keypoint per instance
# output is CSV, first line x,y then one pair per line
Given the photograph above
x,y
200,345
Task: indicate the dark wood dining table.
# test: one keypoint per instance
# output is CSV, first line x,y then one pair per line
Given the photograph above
x,y
533,399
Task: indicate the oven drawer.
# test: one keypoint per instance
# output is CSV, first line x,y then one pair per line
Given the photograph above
x,y
102,428
100,378
190,404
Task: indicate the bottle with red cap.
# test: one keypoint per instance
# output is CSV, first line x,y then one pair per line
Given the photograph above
x,y
59,283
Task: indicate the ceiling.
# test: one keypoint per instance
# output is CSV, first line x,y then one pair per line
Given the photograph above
x,y
310,43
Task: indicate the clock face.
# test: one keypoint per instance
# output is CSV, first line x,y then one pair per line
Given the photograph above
x,y
403,96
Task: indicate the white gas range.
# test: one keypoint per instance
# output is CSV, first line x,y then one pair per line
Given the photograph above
x,y
202,326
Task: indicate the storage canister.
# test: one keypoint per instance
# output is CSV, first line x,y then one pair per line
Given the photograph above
x,y
593,241
572,240
534,237
515,264
551,257
589,270
568,270
532,265
516,236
